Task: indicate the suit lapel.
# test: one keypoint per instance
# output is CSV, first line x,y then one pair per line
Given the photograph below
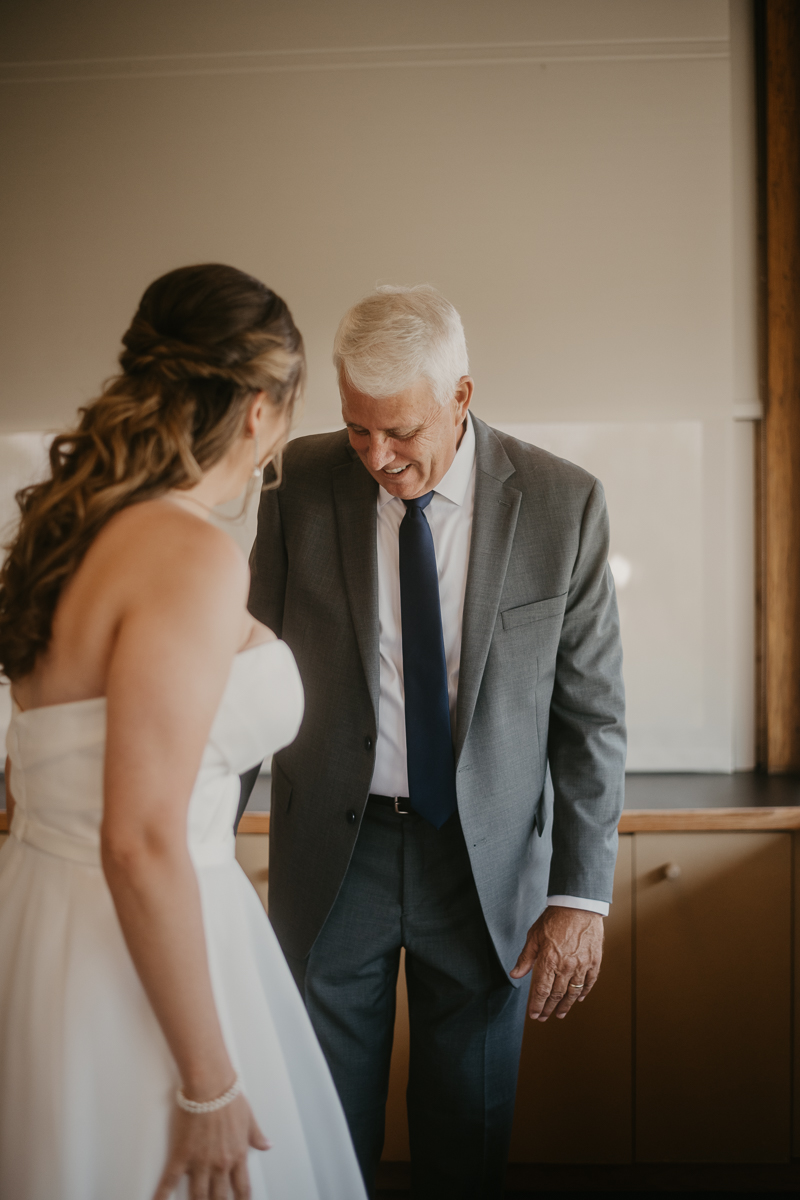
x,y
355,498
494,521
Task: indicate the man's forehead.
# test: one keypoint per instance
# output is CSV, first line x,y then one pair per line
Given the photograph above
x,y
403,411
399,421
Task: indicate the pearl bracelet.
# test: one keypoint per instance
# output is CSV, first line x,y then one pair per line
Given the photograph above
x,y
209,1106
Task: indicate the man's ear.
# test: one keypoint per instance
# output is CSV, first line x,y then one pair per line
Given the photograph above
x,y
463,396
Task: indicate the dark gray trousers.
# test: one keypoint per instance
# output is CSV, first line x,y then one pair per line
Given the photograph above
x,y
411,885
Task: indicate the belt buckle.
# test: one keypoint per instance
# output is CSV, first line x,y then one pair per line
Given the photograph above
x,y
401,812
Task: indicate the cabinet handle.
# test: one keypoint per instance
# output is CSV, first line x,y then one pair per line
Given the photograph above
x,y
671,871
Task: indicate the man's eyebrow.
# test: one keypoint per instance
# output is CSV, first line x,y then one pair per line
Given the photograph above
x,y
388,432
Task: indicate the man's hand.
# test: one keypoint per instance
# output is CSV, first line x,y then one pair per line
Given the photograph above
x,y
564,949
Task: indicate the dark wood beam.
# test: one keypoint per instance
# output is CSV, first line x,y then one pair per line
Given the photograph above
x,y
781,451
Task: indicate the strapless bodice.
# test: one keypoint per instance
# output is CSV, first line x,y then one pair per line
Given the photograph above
x,y
57,755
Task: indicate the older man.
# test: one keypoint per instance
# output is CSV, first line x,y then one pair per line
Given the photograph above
x,y
446,592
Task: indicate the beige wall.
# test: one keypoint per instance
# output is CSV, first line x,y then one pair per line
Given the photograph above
x,y
574,174
568,188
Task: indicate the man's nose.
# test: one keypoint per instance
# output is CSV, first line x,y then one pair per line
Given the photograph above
x,y
379,453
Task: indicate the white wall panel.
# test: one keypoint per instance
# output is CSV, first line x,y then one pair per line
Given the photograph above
x,y
671,584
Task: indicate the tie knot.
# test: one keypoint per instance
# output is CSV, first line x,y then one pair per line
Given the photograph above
x,y
419,502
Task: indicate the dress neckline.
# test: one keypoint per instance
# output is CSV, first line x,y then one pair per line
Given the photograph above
x,y
24,712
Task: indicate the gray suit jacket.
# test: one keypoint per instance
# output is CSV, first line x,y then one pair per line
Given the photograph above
x,y
540,680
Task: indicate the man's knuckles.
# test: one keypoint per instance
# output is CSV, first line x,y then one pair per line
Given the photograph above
x,y
541,991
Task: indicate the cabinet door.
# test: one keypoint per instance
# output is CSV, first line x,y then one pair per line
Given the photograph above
x,y
575,1079
713,963
796,1039
252,854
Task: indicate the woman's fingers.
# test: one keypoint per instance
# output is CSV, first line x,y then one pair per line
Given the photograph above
x,y
173,1173
212,1151
220,1185
256,1137
240,1179
198,1183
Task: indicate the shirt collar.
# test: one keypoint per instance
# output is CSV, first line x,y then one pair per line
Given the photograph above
x,y
455,483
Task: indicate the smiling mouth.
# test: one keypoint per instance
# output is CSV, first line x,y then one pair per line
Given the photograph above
x,y
396,470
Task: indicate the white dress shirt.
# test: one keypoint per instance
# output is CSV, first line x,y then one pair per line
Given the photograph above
x,y
449,516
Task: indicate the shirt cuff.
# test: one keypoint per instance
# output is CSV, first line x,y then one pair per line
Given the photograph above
x,y
595,906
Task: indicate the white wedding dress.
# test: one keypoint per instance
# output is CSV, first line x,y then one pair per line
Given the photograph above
x,y
87,1082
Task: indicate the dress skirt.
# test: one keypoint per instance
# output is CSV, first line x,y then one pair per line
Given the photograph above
x,y
87,1082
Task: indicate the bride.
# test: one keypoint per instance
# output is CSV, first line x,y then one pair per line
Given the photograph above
x,y
151,1036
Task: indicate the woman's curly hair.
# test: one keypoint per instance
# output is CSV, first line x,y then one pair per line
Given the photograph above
x,y
203,341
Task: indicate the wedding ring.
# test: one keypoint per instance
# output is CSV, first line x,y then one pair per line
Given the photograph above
x,y
576,987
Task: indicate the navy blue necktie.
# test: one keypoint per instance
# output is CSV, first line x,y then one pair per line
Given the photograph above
x,y
429,742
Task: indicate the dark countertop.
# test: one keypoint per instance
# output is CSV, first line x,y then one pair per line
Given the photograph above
x,y
745,789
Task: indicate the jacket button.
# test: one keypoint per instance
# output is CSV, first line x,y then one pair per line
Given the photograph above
x,y
367,742
350,817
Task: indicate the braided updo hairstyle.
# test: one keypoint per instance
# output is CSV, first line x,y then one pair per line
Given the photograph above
x,y
203,341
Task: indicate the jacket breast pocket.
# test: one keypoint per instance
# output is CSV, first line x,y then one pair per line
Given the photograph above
x,y
538,610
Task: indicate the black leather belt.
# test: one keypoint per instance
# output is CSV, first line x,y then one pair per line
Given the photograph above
x,y
398,803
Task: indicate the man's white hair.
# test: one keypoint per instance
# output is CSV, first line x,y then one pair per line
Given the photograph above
x,y
398,335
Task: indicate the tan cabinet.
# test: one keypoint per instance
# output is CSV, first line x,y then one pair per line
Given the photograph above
x,y
683,1051
796,1013
252,854
713,997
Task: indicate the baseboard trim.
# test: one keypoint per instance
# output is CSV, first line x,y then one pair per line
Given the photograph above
x,y
627,1177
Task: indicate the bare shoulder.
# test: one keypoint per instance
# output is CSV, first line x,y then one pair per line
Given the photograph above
x,y
166,548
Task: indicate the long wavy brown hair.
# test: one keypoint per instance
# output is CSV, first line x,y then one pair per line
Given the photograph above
x,y
203,341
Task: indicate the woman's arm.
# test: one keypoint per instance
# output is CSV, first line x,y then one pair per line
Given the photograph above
x,y
170,662
9,796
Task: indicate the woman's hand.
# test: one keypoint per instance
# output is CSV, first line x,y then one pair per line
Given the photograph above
x,y
211,1148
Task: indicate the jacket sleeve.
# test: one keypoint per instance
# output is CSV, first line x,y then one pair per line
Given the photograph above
x,y
269,564
587,738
